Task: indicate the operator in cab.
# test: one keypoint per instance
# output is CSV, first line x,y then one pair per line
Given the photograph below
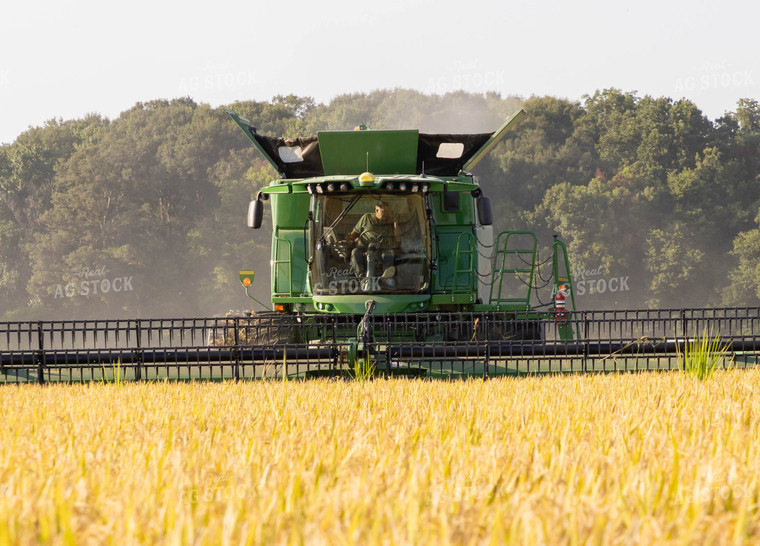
x,y
376,236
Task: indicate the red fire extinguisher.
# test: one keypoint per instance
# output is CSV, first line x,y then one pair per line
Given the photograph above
x,y
559,304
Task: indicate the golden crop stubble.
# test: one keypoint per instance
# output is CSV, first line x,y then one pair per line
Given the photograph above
x,y
636,457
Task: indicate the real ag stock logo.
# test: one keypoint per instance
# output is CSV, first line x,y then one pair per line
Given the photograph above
x,y
94,282
591,281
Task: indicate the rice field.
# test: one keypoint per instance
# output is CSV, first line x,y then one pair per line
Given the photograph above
x,y
635,458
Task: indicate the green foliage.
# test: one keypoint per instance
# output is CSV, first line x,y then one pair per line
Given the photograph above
x,y
702,355
673,260
364,368
748,116
744,287
638,186
553,144
597,222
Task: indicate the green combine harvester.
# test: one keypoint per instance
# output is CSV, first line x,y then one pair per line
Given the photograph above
x,y
384,260
394,223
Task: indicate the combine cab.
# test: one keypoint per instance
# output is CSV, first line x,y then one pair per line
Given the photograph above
x,y
393,223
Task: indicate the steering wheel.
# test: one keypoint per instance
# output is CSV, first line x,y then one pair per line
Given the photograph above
x,y
369,237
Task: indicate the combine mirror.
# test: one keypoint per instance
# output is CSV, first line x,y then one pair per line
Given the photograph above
x,y
485,212
255,213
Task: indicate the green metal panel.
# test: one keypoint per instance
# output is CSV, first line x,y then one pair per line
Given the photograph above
x,y
290,210
288,262
378,152
289,267
384,303
464,217
454,236
448,299
454,254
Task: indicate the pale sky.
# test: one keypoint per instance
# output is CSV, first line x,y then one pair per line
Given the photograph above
x,y
66,59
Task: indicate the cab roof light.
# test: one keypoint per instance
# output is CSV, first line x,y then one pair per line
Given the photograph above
x,y
366,179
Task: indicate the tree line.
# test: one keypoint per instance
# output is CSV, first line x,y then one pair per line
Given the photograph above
x,y
144,215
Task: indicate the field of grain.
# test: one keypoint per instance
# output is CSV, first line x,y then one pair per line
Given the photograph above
x,y
636,458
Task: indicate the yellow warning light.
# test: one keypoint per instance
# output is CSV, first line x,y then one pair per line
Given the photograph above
x,y
246,281
279,307
366,179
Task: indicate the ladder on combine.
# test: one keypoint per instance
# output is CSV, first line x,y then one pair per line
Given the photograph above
x,y
464,265
513,262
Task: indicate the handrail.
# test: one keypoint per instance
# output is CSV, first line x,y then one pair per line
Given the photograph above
x,y
502,269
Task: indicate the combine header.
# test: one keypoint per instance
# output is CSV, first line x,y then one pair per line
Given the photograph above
x,y
393,223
